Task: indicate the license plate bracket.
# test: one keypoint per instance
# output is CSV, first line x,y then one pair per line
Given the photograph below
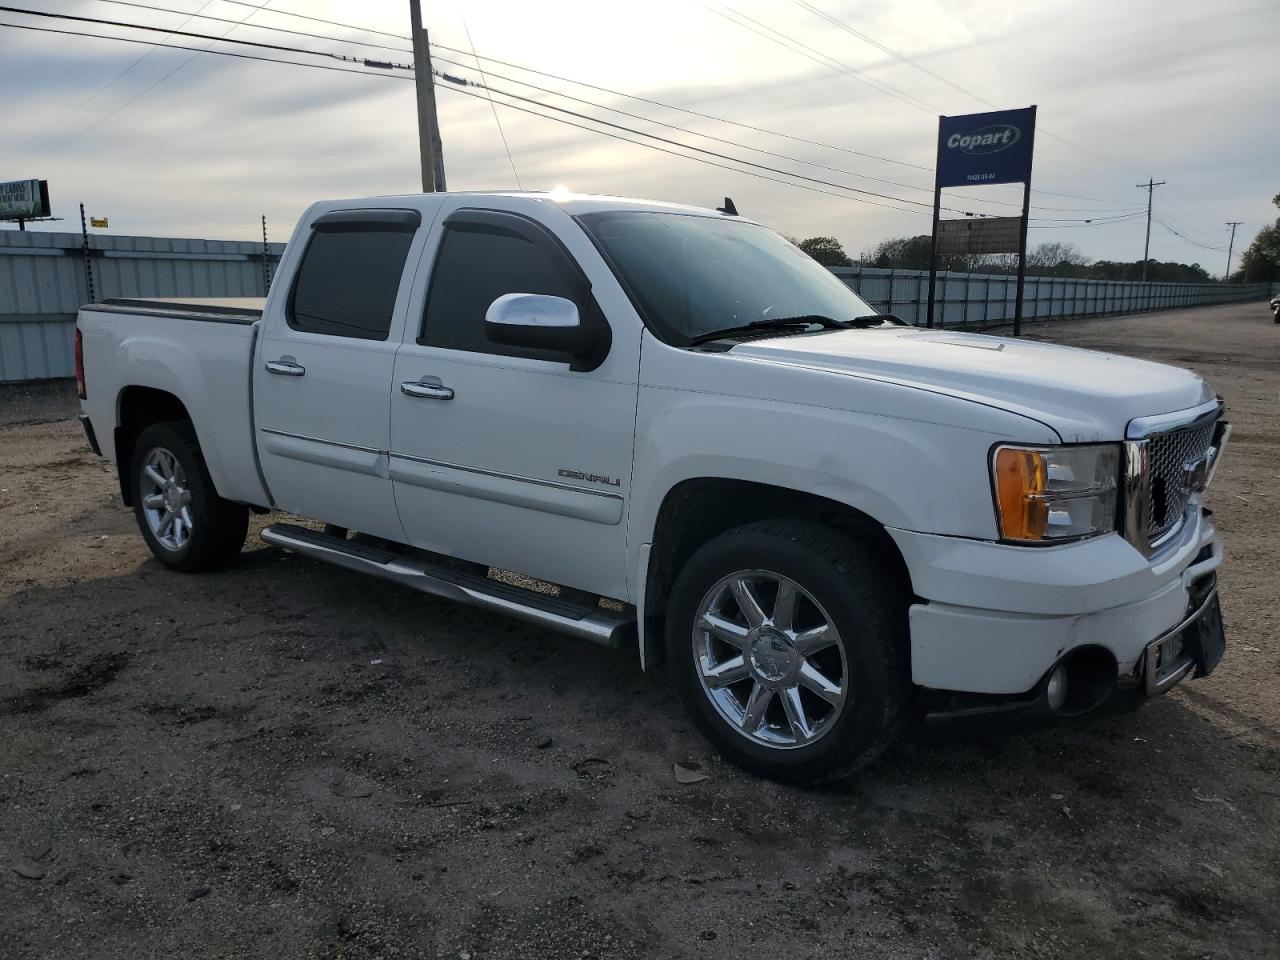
x,y
1197,644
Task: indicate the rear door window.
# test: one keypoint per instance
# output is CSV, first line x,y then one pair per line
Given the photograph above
x,y
348,279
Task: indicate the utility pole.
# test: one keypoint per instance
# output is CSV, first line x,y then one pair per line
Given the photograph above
x,y
1150,187
429,148
1226,277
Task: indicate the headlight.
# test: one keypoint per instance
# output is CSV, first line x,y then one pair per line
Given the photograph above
x,y
1051,494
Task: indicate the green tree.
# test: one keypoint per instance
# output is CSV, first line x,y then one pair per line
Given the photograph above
x,y
900,253
828,251
1260,263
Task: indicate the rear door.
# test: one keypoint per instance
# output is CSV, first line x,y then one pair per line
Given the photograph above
x,y
324,369
513,459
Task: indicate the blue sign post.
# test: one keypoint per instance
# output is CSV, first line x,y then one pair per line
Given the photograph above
x,y
977,150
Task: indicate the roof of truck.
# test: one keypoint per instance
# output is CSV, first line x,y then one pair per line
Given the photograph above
x,y
573,202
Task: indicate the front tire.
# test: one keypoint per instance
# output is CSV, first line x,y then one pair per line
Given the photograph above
x,y
788,642
185,523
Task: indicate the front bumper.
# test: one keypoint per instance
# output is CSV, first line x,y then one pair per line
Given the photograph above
x,y
995,619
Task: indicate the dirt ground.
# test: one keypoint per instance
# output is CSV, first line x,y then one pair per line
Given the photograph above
x,y
290,760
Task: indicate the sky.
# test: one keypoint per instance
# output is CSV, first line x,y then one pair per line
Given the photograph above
x,y
168,142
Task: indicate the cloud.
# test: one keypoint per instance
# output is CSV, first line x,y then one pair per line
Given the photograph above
x,y
1183,91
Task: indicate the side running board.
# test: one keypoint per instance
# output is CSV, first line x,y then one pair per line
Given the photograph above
x,y
596,624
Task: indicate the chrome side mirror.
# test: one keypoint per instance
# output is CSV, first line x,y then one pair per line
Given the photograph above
x,y
537,321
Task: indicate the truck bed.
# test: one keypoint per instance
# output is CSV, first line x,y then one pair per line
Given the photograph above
x,y
200,351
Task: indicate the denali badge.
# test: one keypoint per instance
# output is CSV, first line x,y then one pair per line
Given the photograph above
x,y
589,477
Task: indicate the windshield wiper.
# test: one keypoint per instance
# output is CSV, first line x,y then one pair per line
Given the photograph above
x,y
775,323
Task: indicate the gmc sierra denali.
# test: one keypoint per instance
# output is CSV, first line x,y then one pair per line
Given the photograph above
x,y
824,521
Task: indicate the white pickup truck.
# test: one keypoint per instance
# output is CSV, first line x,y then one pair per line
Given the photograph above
x,y
825,522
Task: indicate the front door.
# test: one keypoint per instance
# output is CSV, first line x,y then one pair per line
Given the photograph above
x,y
324,368
501,455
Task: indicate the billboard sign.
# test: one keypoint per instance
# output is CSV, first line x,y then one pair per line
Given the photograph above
x,y
983,235
24,199
981,148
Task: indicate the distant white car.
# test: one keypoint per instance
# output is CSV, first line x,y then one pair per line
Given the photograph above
x,y
822,519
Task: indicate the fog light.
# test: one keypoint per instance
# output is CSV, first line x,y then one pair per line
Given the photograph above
x,y
1055,691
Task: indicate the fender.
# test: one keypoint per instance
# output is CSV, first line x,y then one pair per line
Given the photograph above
x,y
218,410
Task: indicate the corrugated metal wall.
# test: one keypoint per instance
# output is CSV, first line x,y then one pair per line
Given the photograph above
x,y
43,284
988,299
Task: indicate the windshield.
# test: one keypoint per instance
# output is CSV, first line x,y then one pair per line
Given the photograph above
x,y
694,275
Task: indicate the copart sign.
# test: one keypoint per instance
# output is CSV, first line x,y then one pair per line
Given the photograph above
x,y
986,148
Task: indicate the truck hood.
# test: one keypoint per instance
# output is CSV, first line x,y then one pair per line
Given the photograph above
x,y
1084,395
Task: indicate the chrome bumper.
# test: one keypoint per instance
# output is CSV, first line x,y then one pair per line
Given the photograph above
x,y
1169,658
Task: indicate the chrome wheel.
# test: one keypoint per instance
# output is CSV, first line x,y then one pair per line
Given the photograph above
x,y
769,659
166,499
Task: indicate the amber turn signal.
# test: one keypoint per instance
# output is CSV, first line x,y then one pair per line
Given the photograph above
x,y
1021,479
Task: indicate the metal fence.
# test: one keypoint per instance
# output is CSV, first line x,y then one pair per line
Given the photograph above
x,y
43,282
983,299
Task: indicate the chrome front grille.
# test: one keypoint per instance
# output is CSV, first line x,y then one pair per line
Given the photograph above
x,y
1174,460
1168,459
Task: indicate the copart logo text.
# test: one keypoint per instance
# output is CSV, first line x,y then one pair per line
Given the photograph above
x,y
992,139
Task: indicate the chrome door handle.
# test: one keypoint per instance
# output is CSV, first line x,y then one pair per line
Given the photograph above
x,y
286,368
426,391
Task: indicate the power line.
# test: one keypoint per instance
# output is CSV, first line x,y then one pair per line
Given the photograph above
x,y
657,103
919,66
712,153
120,75
303,16
686,130
510,106
816,11
255,26
1194,234
608,90
686,146
1196,243
744,146
1127,218
650,146
505,145
172,31
178,46
709,136
817,56
490,91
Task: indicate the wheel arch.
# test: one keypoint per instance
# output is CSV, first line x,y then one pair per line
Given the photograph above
x,y
700,508
139,407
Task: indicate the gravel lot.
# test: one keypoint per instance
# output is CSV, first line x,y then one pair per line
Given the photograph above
x,y
289,760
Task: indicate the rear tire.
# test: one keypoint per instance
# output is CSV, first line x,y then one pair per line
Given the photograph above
x,y
185,523
811,685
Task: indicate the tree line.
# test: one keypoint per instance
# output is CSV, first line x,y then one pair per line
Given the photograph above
x,y
1043,260
1260,262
